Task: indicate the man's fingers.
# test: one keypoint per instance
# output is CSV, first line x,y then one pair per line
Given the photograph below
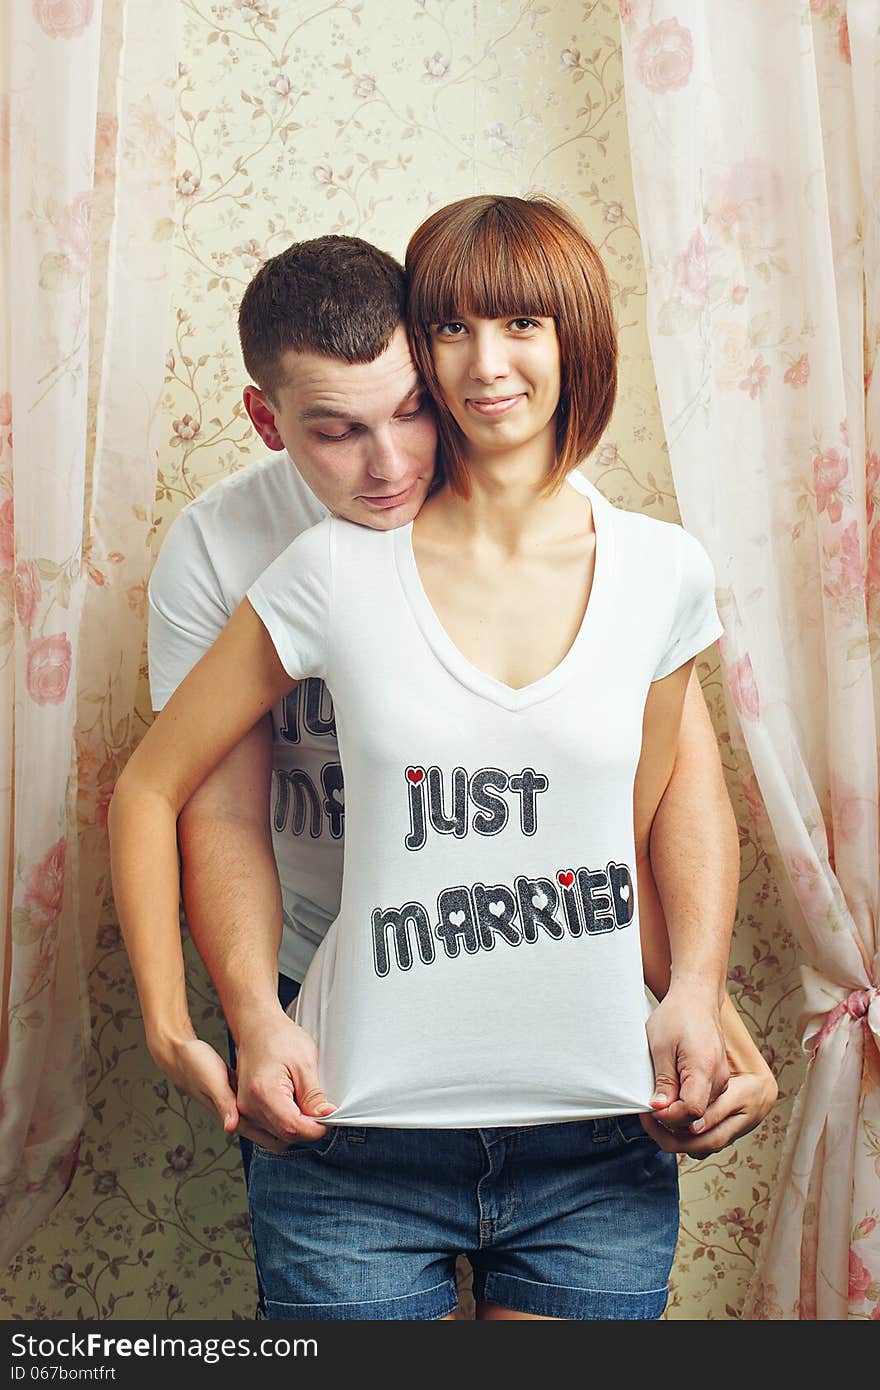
x,y
312,1100
701,1087
680,1115
278,1087
287,1109
720,1081
665,1082
246,1129
696,1090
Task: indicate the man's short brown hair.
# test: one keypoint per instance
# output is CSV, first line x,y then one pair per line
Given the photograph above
x,y
336,295
494,256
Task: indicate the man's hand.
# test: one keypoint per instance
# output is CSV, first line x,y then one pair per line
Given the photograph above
x,y
687,1048
750,1094
277,1080
200,1072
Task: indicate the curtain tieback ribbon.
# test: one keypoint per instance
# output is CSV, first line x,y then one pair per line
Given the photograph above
x,y
856,1005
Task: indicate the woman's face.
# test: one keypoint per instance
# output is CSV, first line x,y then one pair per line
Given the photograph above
x,y
500,378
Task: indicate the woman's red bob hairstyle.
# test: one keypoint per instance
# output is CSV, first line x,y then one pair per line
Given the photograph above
x,y
494,256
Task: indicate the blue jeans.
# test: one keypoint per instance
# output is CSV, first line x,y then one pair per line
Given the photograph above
x,y
287,991
575,1220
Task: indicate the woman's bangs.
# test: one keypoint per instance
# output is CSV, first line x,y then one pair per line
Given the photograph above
x,y
496,273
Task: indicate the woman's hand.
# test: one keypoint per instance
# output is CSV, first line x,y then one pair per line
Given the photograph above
x,y
200,1072
749,1097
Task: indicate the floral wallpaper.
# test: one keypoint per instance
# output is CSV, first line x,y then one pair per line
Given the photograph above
x,y
359,116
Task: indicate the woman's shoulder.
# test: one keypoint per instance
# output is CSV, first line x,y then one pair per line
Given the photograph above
x,y
329,537
310,548
651,548
353,533
639,525
641,528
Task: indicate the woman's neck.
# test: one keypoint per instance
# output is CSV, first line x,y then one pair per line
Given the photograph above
x,y
507,505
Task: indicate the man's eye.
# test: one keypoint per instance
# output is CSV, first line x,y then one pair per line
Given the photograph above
x,y
334,437
411,414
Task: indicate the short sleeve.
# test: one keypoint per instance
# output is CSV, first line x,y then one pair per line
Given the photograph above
x,y
186,609
292,600
695,623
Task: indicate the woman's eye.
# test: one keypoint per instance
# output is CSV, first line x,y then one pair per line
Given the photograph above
x,y
524,323
452,329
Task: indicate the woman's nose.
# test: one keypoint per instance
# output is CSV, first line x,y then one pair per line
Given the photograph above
x,y
488,357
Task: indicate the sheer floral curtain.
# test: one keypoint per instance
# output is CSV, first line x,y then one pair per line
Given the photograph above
x,y
755,138
87,149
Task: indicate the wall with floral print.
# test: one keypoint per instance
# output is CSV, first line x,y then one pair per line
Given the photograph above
x,y
360,116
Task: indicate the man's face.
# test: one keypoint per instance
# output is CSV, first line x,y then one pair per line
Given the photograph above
x,y
362,435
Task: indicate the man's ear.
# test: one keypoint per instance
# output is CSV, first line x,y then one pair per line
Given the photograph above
x,y
262,417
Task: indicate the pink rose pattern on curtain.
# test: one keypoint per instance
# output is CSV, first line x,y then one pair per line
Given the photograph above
x,y
755,140
84,255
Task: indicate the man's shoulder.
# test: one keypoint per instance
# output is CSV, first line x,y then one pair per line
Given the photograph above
x,y
269,489
252,514
224,538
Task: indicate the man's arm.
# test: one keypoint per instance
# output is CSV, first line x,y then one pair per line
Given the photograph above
x,y
229,877
230,880
685,829
752,1088
233,906
185,746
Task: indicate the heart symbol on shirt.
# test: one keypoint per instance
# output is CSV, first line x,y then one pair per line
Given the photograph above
x,y
415,775
566,877
338,795
497,909
624,892
540,901
456,918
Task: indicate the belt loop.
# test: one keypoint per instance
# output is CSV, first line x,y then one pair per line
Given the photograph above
x,y
602,1130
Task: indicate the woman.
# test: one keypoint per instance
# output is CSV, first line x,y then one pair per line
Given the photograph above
x,y
478,1005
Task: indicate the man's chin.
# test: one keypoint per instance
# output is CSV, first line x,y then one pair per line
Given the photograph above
x,y
386,518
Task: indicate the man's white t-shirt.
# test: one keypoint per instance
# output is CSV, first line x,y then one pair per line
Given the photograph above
x,y
485,966
214,549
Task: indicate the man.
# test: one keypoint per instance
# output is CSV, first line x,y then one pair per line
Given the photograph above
x,y
339,405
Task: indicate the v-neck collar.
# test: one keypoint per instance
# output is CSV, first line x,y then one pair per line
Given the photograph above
x,y
469,675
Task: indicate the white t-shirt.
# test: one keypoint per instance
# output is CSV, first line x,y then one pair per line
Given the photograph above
x,y
214,549
485,967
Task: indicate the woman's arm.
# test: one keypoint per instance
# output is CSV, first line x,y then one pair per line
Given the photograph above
x,y
231,688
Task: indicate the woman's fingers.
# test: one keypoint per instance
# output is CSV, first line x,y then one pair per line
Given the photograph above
x,y
737,1110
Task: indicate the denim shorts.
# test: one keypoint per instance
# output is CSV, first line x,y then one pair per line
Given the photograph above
x,y
575,1220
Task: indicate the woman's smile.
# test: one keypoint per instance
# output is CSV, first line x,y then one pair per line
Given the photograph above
x,y
494,405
